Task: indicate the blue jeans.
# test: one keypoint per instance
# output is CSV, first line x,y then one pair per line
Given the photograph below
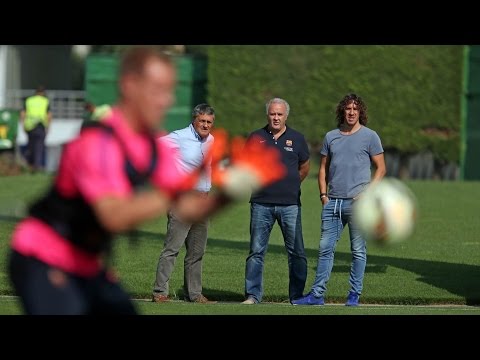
x,y
262,219
335,215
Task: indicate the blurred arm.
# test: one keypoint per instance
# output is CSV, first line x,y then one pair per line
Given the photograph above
x,y
256,161
118,214
193,207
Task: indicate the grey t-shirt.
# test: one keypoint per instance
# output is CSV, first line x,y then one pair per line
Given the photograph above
x,y
350,161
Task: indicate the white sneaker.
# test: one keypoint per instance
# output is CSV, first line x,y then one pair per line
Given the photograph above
x,y
249,301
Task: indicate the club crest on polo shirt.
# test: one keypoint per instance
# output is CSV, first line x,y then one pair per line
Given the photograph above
x,y
289,144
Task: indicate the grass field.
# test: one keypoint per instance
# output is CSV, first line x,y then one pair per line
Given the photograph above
x,y
439,265
10,306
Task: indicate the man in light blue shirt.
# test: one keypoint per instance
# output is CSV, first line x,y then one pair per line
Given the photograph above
x,y
192,143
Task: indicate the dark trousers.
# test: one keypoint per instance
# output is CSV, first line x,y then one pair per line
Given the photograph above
x,y
45,290
36,146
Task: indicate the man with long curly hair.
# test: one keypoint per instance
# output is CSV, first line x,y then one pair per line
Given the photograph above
x,y
345,171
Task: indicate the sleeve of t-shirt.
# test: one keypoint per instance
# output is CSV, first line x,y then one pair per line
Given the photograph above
x,y
375,145
325,147
100,167
304,153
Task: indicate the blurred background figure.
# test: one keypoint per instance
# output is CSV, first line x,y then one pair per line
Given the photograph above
x,y
61,253
96,113
36,117
59,262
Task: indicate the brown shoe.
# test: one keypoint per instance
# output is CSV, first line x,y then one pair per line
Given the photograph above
x,y
159,298
203,300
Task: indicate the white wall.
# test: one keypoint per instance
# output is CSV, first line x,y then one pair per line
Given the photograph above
x,y
61,131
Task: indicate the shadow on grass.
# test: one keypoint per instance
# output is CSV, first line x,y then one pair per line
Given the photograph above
x,y
213,294
462,280
10,218
459,279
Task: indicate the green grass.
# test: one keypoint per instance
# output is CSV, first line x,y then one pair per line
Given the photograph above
x,y
10,306
439,264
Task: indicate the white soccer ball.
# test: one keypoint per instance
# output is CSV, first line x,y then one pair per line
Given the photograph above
x,y
240,182
386,212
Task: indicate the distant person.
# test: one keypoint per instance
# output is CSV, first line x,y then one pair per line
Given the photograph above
x,y
193,143
278,202
60,257
345,171
96,113
89,108
36,117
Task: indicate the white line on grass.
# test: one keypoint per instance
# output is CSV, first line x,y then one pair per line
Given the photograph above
x,y
375,306
362,306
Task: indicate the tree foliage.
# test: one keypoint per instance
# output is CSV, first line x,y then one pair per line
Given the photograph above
x,y
412,92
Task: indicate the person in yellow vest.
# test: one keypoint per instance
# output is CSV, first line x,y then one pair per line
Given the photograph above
x,y
36,117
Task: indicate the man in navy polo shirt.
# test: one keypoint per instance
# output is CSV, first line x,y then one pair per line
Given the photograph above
x,y
279,202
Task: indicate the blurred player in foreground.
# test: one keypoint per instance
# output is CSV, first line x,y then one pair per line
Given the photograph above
x,y
59,263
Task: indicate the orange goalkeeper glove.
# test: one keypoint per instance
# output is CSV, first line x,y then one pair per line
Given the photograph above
x,y
216,153
253,165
